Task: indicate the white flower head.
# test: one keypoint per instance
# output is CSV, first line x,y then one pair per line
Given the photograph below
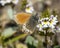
x,y
39,26
15,1
45,22
8,1
53,17
29,8
52,26
53,21
3,2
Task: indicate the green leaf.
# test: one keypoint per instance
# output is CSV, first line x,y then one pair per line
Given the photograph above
x,y
40,44
10,13
23,4
30,41
8,32
45,14
56,46
30,46
15,39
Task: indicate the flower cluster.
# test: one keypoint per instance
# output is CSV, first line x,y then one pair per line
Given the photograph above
x,y
29,8
3,2
47,22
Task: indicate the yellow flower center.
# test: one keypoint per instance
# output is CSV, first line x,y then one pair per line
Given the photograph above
x,y
40,25
28,8
45,22
51,22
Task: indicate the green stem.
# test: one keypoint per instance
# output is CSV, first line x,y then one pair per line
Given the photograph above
x,y
1,41
1,38
46,38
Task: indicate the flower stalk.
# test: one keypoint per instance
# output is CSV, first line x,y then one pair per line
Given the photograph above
x,y
46,38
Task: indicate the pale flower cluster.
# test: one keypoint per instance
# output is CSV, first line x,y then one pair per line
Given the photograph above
x,y
50,22
29,8
3,2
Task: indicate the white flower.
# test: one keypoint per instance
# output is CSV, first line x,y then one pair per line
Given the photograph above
x,y
45,22
53,18
39,26
8,1
3,2
52,26
53,21
15,1
29,8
